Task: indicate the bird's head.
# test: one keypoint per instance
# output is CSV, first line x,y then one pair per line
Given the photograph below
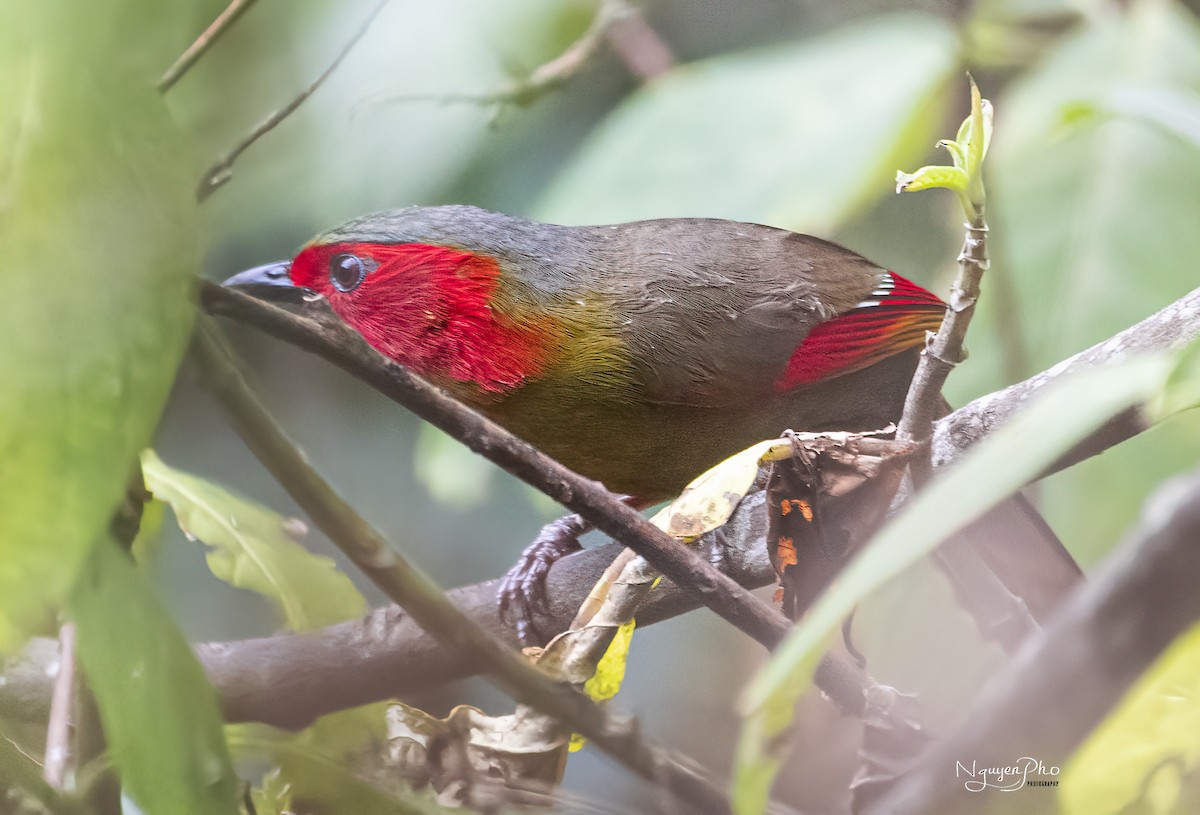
x,y
433,307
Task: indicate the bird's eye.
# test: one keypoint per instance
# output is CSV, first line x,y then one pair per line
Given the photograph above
x,y
346,271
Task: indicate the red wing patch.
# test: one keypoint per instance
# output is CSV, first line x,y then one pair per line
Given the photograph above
x,y
895,318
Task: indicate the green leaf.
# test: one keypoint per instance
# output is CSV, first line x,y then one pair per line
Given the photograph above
x,y
931,177
253,548
1094,228
160,715
956,152
98,232
764,135
324,785
1182,389
1156,724
1052,423
967,151
1175,110
146,544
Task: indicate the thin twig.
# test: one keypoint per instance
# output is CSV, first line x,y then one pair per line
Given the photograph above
x,y
197,49
1062,684
222,170
643,52
618,22
945,349
423,599
58,731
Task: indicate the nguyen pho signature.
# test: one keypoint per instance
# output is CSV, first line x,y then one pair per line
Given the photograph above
x,y
1026,771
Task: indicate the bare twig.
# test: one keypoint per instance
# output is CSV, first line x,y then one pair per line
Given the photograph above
x,y
197,49
945,349
222,170
58,732
638,45
618,22
1059,687
424,600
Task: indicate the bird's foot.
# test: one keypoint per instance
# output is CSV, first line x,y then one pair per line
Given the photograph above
x,y
523,589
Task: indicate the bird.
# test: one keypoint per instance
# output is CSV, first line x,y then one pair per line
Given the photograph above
x,y
637,354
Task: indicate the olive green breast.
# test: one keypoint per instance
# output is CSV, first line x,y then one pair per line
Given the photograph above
x,y
652,450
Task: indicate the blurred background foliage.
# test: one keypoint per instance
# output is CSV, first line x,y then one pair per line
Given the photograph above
x,y
794,113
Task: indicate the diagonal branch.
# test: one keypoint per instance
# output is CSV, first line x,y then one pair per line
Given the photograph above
x,y
323,333
424,599
290,679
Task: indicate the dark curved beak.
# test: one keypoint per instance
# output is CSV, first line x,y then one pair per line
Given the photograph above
x,y
272,274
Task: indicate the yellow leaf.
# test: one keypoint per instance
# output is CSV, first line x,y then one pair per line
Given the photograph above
x,y
708,501
1144,746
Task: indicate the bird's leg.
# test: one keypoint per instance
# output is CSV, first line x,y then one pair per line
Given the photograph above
x,y
523,589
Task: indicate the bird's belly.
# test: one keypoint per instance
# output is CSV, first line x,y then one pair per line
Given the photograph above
x,y
652,451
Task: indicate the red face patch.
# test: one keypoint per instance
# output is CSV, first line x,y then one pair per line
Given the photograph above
x,y
430,308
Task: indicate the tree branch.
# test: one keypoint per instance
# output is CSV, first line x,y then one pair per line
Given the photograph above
x,y
290,679
944,350
323,333
424,599
1169,329
1062,684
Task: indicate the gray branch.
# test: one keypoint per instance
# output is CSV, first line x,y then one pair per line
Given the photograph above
x,y
290,679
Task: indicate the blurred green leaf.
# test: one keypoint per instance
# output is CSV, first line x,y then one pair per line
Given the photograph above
x,y
1176,111
452,473
1156,727
1052,423
99,235
149,537
317,783
253,548
801,135
1098,222
1182,389
160,715
273,795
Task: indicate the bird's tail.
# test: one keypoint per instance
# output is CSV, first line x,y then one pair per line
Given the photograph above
x,y
1010,571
